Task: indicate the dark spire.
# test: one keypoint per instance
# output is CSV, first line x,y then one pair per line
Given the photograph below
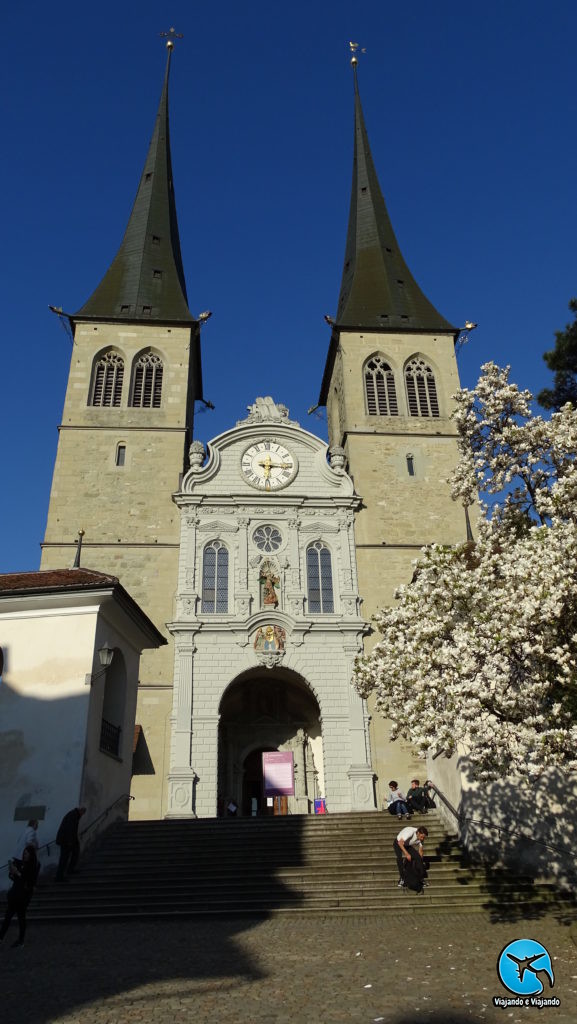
x,y
378,290
146,280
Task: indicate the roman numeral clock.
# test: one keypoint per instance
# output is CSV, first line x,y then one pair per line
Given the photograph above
x,y
268,466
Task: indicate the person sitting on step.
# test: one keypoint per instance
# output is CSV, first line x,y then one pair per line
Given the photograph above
x,y
416,800
396,801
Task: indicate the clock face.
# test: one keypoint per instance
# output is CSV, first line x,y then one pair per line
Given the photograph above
x,y
268,466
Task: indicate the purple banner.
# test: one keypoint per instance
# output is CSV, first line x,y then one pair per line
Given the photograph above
x,y
278,773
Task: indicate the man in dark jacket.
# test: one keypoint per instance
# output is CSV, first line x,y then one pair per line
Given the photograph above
x,y
67,840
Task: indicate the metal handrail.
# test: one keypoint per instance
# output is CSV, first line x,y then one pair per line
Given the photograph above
x,y
484,822
52,842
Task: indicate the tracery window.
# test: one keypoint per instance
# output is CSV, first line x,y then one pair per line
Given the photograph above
x,y
107,380
319,579
147,381
380,388
421,389
215,578
267,538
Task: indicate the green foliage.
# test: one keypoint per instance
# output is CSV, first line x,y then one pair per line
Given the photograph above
x,y
563,361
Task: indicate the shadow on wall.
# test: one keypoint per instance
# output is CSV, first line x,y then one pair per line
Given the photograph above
x,y
513,826
42,754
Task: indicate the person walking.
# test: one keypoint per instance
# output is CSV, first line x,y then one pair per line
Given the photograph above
x,y
408,849
67,840
23,874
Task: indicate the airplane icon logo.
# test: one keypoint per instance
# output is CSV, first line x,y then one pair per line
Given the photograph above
x,y
520,965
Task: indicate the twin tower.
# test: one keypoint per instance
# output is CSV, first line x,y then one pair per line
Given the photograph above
x,y
125,448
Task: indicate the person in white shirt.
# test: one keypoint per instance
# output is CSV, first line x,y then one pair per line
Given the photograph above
x,y
409,844
27,838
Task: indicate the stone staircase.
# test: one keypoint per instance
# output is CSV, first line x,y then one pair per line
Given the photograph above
x,y
342,863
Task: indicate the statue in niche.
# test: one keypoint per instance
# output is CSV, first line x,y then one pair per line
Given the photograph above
x,y
269,582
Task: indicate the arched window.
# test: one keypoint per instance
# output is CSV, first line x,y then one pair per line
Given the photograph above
x,y
380,388
147,381
107,380
215,578
319,579
113,705
421,389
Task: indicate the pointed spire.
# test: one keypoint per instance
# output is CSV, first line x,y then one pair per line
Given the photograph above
x,y
378,290
145,281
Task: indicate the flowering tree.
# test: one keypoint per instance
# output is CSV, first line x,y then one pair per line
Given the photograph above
x,y
480,650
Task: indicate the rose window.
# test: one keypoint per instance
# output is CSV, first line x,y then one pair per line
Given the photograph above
x,y
267,538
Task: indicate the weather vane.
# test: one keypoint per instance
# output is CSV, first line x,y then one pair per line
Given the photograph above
x,y
170,36
353,47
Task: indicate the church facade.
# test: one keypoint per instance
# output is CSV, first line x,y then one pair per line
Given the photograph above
x,y
268,623
261,558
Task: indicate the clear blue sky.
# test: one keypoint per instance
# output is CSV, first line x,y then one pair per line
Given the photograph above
x,y
471,114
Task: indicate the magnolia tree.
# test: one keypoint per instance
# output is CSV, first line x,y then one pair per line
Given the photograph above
x,y
480,652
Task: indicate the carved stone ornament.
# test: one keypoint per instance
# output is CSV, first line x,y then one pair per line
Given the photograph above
x,y
187,607
337,457
270,660
196,456
266,410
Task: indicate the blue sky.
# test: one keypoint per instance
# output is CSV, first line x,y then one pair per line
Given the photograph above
x,y
471,114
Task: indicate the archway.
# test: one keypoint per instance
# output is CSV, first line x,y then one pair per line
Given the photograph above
x,y
267,710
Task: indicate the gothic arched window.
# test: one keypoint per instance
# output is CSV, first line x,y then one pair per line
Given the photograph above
x,y
107,380
215,577
421,389
380,388
319,578
146,392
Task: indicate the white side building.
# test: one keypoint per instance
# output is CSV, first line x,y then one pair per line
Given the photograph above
x,y
70,645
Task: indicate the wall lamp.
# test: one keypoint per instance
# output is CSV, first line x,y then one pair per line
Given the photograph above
x,y
105,656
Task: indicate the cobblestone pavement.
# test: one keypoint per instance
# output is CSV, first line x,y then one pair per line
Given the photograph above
x,y
398,970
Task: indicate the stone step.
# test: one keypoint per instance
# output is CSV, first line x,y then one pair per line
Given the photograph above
x,y
341,864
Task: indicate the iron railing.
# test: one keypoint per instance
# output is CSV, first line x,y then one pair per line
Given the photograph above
x,y
110,738
481,823
85,831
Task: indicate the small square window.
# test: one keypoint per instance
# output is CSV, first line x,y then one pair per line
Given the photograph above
x,y
148,176
157,274
147,310
156,239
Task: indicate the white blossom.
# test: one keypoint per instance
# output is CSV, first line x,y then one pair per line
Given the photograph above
x,y
480,649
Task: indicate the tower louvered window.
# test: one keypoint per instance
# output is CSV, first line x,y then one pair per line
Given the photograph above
x,y
147,382
107,380
421,389
380,388
319,579
215,578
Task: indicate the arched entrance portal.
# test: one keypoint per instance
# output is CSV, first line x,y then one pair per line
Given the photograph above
x,y
268,709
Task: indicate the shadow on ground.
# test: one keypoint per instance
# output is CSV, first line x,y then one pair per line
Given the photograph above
x,y
65,970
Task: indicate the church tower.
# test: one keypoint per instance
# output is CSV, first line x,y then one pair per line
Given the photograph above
x,y
387,386
125,433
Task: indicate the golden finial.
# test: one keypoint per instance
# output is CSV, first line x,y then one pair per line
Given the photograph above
x,y
170,36
353,47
